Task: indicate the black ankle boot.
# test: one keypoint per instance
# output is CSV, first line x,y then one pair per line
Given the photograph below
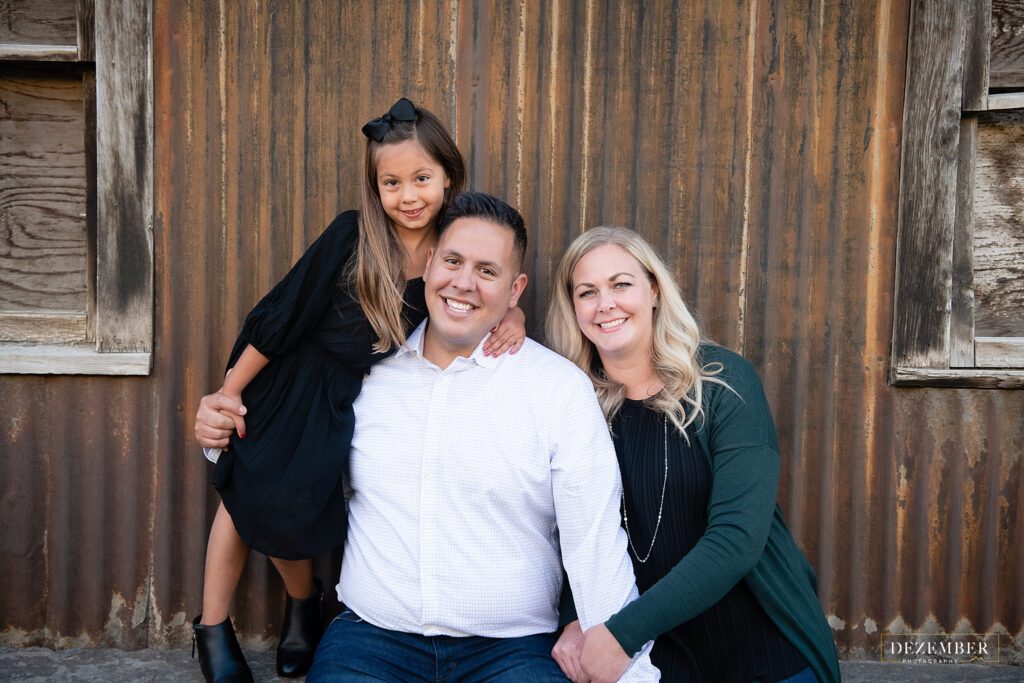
x,y
220,657
300,633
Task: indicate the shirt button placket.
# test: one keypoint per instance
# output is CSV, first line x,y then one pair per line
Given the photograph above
x,y
430,494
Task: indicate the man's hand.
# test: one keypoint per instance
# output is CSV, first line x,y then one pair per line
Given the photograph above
x,y
603,660
567,650
218,416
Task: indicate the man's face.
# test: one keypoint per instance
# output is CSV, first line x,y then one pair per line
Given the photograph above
x,y
472,279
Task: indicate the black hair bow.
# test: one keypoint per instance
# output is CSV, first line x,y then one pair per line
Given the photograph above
x,y
402,110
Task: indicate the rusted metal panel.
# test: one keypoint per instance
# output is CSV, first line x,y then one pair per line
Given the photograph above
x,y
756,145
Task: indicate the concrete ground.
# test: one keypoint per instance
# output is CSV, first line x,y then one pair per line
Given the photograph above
x,y
41,664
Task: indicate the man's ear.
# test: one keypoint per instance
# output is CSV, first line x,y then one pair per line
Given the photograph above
x,y
426,268
517,290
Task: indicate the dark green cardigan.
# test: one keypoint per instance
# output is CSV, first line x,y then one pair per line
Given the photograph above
x,y
746,536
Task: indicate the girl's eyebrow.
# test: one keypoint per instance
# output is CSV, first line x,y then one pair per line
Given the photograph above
x,y
425,169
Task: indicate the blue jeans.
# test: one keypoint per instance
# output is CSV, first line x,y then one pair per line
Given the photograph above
x,y
356,650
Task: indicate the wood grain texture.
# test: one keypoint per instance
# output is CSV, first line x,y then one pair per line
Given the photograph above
x,y
999,101
89,107
124,179
36,22
962,379
47,328
38,53
931,135
999,226
66,359
1006,65
42,191
961,325
976,56
85,31
999,352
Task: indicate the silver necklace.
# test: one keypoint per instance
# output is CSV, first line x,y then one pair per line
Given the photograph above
x,y
661,505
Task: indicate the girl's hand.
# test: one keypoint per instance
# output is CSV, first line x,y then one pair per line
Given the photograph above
x,y
508,335
603,659
567,650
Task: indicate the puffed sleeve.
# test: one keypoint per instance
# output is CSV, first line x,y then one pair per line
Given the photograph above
x,y
292,309
739,435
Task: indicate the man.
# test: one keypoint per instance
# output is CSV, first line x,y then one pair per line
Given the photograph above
x,y
474,481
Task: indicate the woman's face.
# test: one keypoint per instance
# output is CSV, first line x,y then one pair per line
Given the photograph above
x,y
614,302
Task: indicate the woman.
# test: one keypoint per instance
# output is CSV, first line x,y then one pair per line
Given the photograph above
x,y
726,594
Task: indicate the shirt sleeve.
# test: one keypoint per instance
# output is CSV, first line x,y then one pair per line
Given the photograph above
x,y
587,490
293,308
745,475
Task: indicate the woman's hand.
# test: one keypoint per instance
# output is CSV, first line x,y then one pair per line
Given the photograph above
x,y
603,660
567,650
508,335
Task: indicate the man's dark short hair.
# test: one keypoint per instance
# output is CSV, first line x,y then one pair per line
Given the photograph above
x,y
489,208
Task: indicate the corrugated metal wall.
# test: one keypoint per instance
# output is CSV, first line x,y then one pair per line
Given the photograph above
x,y
756,144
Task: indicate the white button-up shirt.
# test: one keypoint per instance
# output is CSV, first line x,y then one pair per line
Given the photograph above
x,y
472,486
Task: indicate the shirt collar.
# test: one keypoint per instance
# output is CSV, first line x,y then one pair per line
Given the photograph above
x,y
414,346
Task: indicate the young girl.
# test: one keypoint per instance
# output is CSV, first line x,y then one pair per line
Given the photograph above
x,y
298,366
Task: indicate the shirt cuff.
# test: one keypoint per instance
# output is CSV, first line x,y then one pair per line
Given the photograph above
x,y
212,454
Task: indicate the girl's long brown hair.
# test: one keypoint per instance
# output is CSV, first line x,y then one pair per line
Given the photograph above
x,y
380,283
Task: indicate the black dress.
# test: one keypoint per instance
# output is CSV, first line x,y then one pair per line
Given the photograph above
x,y
282,484
732,641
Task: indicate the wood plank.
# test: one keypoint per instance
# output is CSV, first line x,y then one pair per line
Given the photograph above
x,y
976,58
961,332
960,379
42,190
42,359
999,352
928,175
89,111
124,178
1006,62
45,327
38,53
1007,100
32,22
85,29
999,226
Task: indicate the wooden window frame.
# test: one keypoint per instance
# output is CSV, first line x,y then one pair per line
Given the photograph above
x,y
119,335
933,342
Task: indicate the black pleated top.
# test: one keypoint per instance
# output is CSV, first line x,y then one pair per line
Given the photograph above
x,y
282,484
734,640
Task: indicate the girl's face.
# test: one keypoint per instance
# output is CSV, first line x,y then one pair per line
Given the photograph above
x,y
411,185
614,302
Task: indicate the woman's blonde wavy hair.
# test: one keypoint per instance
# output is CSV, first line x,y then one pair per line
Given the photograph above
x,y
676,333
377,268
